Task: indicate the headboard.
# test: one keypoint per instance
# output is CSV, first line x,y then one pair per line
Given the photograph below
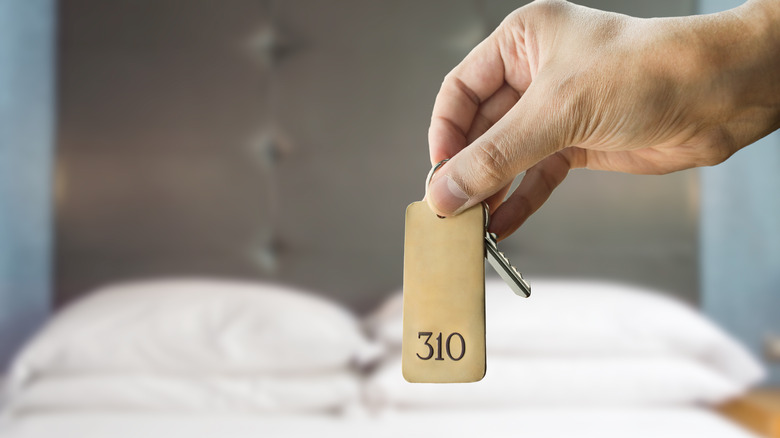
x,y
283,140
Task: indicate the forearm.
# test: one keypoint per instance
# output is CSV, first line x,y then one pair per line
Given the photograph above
x,y
746,51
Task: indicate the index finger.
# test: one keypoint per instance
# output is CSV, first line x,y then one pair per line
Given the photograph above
x,y
469,84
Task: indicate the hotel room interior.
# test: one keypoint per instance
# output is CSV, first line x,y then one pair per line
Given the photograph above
x,y
202,226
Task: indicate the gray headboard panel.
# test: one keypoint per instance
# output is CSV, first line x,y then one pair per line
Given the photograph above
x,y
283,140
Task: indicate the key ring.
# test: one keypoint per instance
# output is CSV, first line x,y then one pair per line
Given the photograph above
x,y
428,183
432,171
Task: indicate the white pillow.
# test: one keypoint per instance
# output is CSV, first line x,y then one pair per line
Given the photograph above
x,y
571,318
212,394
545,381
193,326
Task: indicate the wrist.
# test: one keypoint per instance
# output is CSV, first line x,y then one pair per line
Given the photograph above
x,y
742,47
763,16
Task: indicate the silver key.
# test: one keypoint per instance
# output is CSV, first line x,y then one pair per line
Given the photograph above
x,y
501,264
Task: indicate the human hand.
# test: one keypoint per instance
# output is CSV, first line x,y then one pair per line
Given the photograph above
x,y
558,86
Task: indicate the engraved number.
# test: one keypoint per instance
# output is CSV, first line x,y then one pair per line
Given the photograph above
x,y
447,346
430,347
462,346
438,342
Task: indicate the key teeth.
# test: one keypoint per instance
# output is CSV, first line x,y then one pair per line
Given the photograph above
x,y
524,289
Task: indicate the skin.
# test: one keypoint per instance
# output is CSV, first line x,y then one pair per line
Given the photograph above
x,y
559,86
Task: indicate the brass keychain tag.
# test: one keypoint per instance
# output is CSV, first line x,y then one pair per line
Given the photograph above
x,y
444,296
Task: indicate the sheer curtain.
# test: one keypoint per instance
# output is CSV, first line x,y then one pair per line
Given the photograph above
x,y
27,40
740,237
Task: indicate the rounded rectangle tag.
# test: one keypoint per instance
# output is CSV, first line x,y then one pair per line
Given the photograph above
x,y
444,296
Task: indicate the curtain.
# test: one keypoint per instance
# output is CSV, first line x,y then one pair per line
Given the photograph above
x,y
740,237
27,41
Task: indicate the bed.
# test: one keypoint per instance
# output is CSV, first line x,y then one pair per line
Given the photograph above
x,y
529,423
204,357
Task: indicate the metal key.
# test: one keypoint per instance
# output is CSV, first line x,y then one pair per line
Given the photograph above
x,y
501,264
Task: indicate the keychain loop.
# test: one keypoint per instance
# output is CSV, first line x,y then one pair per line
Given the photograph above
x,y
430,176
432,171
428,183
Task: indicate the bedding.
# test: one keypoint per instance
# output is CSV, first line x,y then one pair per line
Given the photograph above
x,y
211,394
201,358
591,318
583,422
192,346
556,382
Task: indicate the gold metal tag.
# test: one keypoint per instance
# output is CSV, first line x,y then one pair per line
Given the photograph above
x,y
444,296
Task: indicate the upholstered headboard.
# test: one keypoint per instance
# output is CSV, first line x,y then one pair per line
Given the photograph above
x,y
283,140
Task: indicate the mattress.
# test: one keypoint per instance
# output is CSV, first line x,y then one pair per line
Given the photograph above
x,y
678,422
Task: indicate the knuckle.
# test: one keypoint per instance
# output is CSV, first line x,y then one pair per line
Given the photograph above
x,y
539,9
716,155
550,8
524,205
719,145
491,164
569,93
570,102
546,179
514,17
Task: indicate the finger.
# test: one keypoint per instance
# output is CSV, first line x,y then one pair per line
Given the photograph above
x,y
495,200
529,132
491,111
534,190
469,84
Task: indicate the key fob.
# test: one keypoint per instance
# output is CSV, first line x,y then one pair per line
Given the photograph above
x,y
444,296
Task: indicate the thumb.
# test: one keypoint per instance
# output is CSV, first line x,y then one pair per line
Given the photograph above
x,y
528,133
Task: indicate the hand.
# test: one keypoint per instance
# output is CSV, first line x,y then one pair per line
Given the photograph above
x,y
558,86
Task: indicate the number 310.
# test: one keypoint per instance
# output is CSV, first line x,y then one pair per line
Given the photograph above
x,y
447,345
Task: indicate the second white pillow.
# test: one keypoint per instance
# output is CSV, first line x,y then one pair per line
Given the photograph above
x,y
195,325
586,318
583,381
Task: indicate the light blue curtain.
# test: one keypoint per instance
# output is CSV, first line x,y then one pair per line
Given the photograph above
x,y
27,41
740,237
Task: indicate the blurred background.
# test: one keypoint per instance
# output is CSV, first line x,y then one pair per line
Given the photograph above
x,y
283,140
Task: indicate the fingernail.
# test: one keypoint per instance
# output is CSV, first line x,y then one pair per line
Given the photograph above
x,y
447,195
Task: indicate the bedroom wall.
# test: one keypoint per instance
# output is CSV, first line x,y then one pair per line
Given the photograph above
x,y
740,238
26,146
166,168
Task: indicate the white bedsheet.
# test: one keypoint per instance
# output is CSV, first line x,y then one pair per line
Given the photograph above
x,y
526,423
